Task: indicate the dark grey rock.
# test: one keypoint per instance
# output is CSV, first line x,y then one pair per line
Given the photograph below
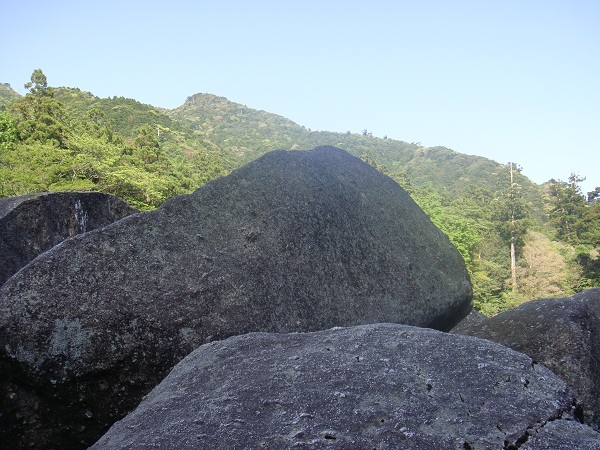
x,y
563,334
472,318
562,435
294,241
32,224
382,386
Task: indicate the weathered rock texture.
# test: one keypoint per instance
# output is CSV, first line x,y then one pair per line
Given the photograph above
x,y
32,224
563,435
563,334
381,386
295,241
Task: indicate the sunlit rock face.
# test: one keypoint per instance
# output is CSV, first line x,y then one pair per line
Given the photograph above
x,y
382,386
294,241
32,224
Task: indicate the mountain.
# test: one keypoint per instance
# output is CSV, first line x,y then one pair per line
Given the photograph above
x,y
146,154
244,134
241,134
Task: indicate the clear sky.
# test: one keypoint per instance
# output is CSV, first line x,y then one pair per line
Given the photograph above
x,y
511,80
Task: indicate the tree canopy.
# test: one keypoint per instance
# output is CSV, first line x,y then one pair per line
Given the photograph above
x,y
46,147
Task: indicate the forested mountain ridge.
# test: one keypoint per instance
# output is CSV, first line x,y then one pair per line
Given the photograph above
x,y
519,240
241,132
244,134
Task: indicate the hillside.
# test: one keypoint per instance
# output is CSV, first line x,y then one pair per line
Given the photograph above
x,y
243,134
146,154
7,93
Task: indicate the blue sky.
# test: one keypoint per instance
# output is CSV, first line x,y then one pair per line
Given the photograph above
x,y
509,80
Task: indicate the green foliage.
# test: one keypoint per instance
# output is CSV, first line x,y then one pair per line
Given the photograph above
x,y
466,220
576,220
32,167
38,116
459,230
47,145
566,208
38,86
588,250
8,131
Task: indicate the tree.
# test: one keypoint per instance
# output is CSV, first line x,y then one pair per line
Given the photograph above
x,y
590,234
460,231
118,146
576,220
546,268
567,207
38,86
511,215
593,197
8,131
32,167
34,141
39,117
589,254
147,145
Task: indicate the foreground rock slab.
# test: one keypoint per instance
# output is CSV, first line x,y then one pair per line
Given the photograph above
x,y
563,334
31,224
381,386
294,241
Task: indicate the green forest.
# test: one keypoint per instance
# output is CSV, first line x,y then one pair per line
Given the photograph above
x,y
519,240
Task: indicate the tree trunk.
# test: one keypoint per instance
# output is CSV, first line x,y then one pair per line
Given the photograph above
x,y
513,252
513,263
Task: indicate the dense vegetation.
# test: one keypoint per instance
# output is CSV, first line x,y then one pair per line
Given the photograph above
x,y
64,139
519,240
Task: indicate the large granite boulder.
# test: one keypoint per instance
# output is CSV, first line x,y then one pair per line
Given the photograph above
x,y
32,224
294,241
563,334
382,386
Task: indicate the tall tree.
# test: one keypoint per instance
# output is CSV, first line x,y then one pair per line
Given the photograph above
x,y
38,85
511,215
39,116
567,208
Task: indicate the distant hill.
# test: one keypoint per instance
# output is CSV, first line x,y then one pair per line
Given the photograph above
x,y
147,154
244,134
125,114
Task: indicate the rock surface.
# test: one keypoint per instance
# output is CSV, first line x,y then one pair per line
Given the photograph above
x,y
294,241
32,224
563,334
563,435
382,386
